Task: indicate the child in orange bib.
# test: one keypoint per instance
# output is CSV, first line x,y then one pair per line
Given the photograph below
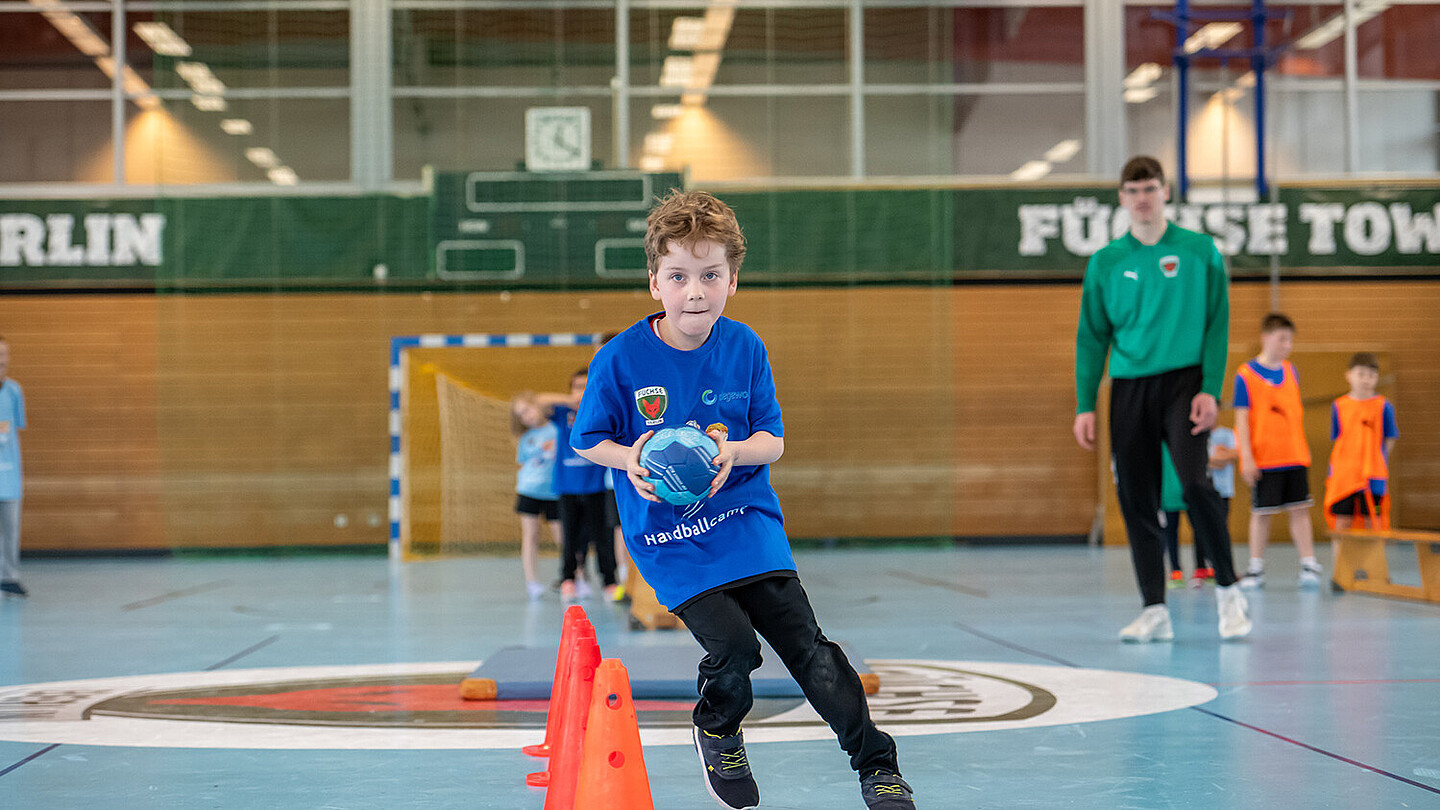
x,y
1362,425
1274,456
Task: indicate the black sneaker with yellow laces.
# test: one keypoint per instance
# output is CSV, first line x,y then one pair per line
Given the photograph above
x,y
885,790
727,771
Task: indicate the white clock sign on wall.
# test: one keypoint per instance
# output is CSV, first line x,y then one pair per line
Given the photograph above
x,y
557,139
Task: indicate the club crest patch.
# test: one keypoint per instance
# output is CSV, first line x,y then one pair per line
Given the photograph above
x,y
1170,265
652,403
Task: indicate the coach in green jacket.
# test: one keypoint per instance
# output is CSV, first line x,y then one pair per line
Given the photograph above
x,y
1156,302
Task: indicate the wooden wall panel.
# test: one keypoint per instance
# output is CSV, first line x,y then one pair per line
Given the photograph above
x,y
254,420
1019,470
91,450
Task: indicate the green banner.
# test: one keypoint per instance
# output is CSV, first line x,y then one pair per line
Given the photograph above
x,y
224,242
1308,229
495,231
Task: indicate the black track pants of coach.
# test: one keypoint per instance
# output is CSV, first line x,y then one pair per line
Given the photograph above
x,y
1144,412
725,623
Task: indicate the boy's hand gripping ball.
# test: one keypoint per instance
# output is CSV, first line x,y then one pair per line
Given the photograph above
x,y
679,461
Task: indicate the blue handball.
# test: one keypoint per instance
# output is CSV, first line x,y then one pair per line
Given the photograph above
x,y
679,463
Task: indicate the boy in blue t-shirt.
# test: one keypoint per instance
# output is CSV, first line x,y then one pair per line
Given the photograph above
x,y
723,564
581,487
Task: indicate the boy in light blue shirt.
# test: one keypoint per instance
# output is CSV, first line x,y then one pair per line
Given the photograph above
x,y
12,421
725,567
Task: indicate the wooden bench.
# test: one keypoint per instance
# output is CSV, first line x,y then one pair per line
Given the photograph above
x,y
1360,563
645,609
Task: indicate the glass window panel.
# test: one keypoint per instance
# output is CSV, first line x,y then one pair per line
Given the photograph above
x,y
186,145
55,141
1019,44
254,49
925,124
762,46
741,138
35,55
521,48
929,45
1306,109
650,40
481,134
1148,40
998,134
1150,123
786,46
1400,43
1305,139
1400,131
910,45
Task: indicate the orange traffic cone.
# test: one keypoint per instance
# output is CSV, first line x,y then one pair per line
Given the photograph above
x,y
612,770
574,617
560,777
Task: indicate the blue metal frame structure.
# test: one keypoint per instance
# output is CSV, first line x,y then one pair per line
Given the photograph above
x,y
1259,55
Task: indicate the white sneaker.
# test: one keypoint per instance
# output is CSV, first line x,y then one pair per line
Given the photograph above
x,y
1253,580
1153,624
582,588
1234,610
1310,574
536,590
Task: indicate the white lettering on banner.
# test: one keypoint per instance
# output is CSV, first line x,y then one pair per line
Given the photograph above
x,y
1411,229
1223,223
111,240
21,235
138,242
1038,223
1190,217
1368,227
1321,217
688,530
62,252
97,240
1267,229
1083,226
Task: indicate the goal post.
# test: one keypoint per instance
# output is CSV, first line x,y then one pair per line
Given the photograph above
x,y
452,453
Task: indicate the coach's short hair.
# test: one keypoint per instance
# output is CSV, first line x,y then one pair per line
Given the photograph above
x,y
1142,167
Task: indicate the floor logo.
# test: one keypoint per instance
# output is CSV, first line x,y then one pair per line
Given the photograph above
x,y
419,706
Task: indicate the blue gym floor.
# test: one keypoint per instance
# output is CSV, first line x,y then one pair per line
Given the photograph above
x,y
1333,702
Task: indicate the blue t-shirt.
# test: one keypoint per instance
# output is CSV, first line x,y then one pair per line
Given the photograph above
x,y
1391,431
535,453
573,475
12,421
737,534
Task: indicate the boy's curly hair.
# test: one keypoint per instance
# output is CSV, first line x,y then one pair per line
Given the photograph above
x,y
689,217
